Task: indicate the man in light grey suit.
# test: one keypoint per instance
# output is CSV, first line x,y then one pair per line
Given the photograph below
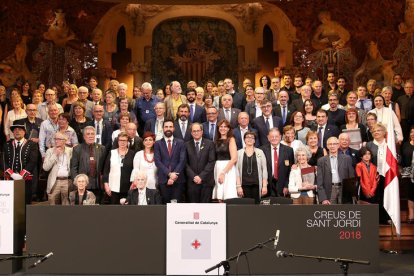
x,y
333,169
227,112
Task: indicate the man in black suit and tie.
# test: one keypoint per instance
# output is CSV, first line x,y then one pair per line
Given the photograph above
x,y
239,101
169,155
279,160
182,124
227,112
344,142
282,110
155,125
142,195
333,169
210,127
201,157
324,130
243,127
266,122
102,127
253,108
135,143
197,113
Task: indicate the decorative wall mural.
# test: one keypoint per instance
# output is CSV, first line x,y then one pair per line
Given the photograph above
x,y
197,49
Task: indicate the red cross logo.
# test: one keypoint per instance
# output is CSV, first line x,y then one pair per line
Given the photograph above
x,y
196,244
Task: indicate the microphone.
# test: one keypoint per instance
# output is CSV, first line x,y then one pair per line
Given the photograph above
x,y
44,258
276,239
282,254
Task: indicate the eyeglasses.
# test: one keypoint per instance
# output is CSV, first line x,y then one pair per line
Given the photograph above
x,y
31,109
98,111
122,140
266,106
212,113
196,131
59,139
49,94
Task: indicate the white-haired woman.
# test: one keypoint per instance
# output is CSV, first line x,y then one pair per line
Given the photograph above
x,y
302,178
81,196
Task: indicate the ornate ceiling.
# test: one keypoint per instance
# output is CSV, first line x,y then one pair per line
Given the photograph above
x,y
186,2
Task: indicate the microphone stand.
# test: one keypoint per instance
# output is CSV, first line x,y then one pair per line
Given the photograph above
x,y
22,257
226,263
344,263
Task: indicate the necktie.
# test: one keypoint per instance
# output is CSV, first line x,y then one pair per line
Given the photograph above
x,y
267,124
284,115
159,127
320,136
98,133
362,104
197,147
183,129
212,130
18,145
169,147
192,112
227,115
275,161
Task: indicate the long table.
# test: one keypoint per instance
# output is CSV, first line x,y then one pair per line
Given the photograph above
x,y
132,239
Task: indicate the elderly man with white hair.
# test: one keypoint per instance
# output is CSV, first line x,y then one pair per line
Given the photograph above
x,y
43,110
142,195
144,106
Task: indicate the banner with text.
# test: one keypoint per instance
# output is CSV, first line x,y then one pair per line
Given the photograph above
x,y
196,237
6,217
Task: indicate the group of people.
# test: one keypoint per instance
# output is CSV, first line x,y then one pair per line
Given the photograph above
x,y
284,138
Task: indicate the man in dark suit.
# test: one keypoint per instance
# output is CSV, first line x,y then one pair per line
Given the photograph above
x,y
142,195
169,155
210,127
324,130
253,108
283,110
201,157
243,128
279,160
197,113
344,142
88,158
333,169
239,101
103,128
134,142
155,125
182,124
266,122
227,112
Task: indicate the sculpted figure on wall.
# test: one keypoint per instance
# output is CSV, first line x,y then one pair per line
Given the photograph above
x,y
330,34
14,66
408,25
59,31
374,67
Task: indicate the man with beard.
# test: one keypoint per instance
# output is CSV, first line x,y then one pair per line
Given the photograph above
x,y
169,155
182,124
197,113
397,87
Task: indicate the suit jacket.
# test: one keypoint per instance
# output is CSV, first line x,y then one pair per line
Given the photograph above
x,y
239,139
51,163
106,137
239,100
206,130
80,161
28,157
201,164
177,131
166,163
285,161
234,116
200,115
277,110
250,108
137,146
354,154
330,131
153,197
324,175
260,125
169,106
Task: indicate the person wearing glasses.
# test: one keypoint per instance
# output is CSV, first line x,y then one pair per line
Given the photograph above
x,y
117,170
83,94
43,109
57,161
333,169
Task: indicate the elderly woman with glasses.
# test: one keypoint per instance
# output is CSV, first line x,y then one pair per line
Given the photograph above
x,y
251,180
81,196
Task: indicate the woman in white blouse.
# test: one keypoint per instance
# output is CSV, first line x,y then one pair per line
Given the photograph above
x,y
16,113
144,161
